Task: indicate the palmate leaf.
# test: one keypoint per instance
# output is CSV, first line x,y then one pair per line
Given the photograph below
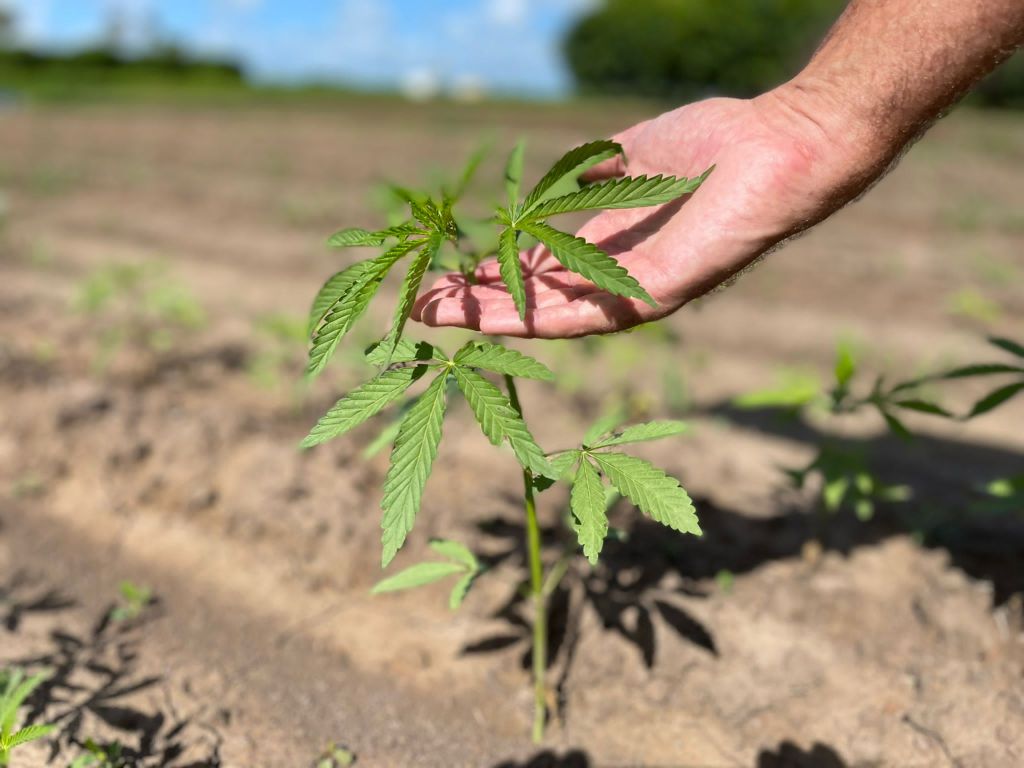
x,y
511,269
587,503
577,255
408,292
628,192
411,460
351,305
571,164
336,287
656,494
499,359
500,421
362,403
638,433
417,576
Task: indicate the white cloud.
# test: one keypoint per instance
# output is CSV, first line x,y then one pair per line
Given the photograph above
x,y
511,13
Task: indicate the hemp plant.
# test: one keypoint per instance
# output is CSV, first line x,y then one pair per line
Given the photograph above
x,y
432,228
15,688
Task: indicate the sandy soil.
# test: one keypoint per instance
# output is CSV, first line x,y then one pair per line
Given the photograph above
x,y
176,468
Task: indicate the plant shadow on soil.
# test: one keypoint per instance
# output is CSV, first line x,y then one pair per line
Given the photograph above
x,y
92,677
944,475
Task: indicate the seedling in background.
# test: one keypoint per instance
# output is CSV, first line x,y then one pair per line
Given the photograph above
x,y
1002,394
134,600
432,234
15,688
101,756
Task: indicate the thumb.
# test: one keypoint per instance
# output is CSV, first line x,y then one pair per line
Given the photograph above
x,y
616,166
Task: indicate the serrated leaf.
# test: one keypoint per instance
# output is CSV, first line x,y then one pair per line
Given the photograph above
x,y
362,403
628,192
499,420
411,461
511,269
571,164
355,237
577,255
461,588
336,287
405,351
417,576
588,506
514,172
995,399
408,292
563,462
656,494
455,551
1007,344
638,433
923,406
499,359
351,305
18,689
30,733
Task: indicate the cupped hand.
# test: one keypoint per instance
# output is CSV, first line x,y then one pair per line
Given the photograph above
x,y
776,173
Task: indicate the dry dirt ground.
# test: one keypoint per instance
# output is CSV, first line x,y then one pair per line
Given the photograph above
x,y
176,467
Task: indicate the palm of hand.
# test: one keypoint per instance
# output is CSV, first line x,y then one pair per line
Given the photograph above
x,y
677,251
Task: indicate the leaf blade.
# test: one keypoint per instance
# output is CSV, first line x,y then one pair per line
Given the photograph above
x,y
655,493
412,459
408,292
586,259
499,359
626,192
587,502
571,164
638,433
511,269
418,575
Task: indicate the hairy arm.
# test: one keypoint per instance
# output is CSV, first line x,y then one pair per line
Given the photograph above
x,y
784,161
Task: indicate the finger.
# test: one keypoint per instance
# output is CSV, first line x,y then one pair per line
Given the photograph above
x,y
616,166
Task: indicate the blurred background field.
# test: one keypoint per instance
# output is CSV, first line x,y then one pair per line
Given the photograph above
x,y
169,173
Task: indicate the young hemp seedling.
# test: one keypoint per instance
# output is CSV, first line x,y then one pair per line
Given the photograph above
x,y
15,688
432,226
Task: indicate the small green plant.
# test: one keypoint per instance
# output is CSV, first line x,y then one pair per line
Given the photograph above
x,y
136,305
430,235
134,599
336,756
15,688
110,755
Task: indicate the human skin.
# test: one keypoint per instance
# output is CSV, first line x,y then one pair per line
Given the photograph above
x,y
784,161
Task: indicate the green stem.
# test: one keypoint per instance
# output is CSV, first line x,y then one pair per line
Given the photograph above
x,y
540,618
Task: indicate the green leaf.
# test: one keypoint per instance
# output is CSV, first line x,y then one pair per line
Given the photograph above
x,y
563,462
969,371
469,170
1007,344
336,287
628,192
455,551
794,390
355,237
638,433
362,403
408,292
417,576
405,352
587,502
846,365
18,689
499,420
896,426
656,494
411,461
460,590
351,305
834,492
571,164
30,733
511,269
514,172
995,399
923,406
499,359
586,259
605,423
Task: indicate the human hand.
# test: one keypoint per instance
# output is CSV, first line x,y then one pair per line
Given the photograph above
x,y
778,171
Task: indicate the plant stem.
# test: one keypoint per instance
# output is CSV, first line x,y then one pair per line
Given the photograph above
x,y
540,618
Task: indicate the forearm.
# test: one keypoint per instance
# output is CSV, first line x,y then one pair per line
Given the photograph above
x,y
889,68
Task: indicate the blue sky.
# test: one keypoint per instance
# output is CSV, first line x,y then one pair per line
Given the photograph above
x,y
506,45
